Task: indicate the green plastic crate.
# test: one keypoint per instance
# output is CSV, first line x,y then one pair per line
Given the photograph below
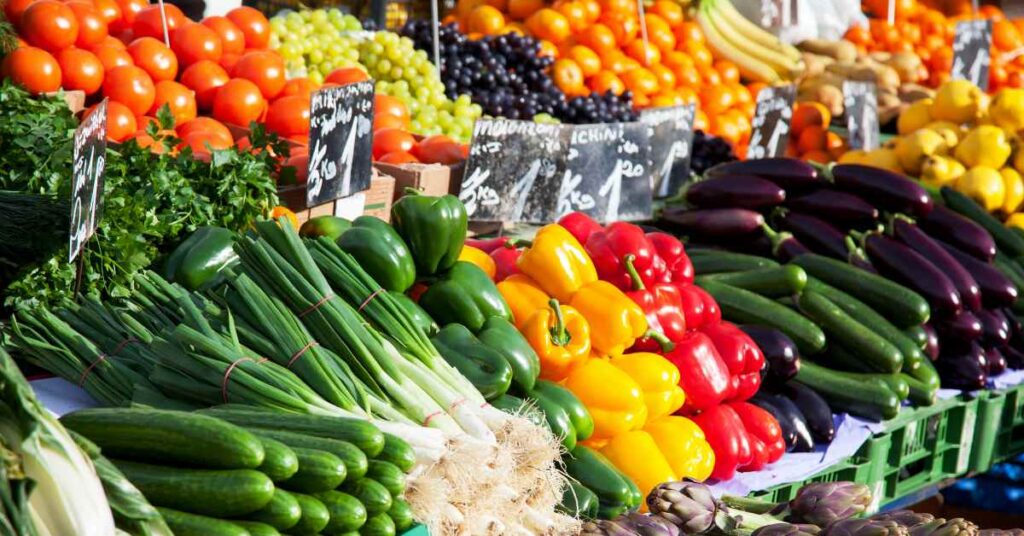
x,y
985,451
1010,435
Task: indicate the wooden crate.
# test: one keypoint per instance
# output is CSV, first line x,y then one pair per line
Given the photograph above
x,y
375,202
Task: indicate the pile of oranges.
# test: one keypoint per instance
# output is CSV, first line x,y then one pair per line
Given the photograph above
x,y
598,47
809,136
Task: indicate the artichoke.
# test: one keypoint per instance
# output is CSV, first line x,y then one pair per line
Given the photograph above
x,y
687,505
605,527
941,527
646,525
906,518
822,503
864,527
786,529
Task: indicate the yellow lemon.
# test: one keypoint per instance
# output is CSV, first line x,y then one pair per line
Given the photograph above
x,y
915,116
984,185
958,101
884,158
985,145
1007,109
951,132
853,156
913,148
938,171
1013,188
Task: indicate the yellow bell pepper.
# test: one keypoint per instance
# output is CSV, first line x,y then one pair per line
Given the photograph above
x,y
560,336
480,258
614,400
524,297
639,458
615,320
657,377
557,262
683,444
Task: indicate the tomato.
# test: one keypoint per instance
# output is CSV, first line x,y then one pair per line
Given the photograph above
x,y
299,86
14,8
255,27
120,121
110,41
346,75
228,61
388,121
49,25
149,22
239,102
231,37
440,149
390,140
32,68
109,11
178,98
206,124
203,141
131,86
398,157
289,116
80,69
195,42
204,77
92,28
264,68
154,57
129,12
112,57
388,105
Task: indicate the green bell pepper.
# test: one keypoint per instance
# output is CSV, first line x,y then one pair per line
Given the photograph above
x,y
464,295
485,368
580,417
502,336
330,226
433,227
419,317
381,252
578,501
597,474
557,419
199,262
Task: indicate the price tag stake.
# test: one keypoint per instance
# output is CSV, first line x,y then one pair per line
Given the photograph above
x,y
972,52
340,142
89,153
671,138
771,122
861,106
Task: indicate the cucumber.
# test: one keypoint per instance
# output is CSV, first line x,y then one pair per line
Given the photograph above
x,y
1007,240
902,306
401,513
895,382
186,524
918,335
927,374
314,515
282,512
279,461
360,433
378,525
836,356
744,307
354,459
921,394
841,328
347,513
167,437
257,529
318,471
861,312
850,394
371,493
775,282
399,452
713,262
212,492
388,475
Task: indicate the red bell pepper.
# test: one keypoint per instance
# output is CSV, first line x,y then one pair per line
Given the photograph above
x,y
487,245
609,247
663,307
703,375
758,455
505,257
762,425
579,225
678,266
741,354
698,306
724,431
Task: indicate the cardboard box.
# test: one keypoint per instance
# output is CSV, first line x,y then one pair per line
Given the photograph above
x,y
379,197
375,202
432,179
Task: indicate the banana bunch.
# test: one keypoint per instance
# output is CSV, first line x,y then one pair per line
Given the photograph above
x,y
760,56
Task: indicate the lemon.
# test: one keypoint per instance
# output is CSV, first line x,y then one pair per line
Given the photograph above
x,y
985,145
915,116
913,148
938,171
1018,161
984,185
1007,109
950,131
884,158
1015,220
958,101
1013,187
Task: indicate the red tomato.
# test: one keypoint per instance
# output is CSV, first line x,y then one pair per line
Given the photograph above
x,y
204,77
231,37
110,41
80,69
129,11
264,68
14,8
299,86
346,75
32,68
154,57
143,122
289,116
195,42
202,141
49,25
388,105
149,22
206,124
112,57
388,121
228,61
109,11
239,102
92,28
255,27
440,149
398,157
120,121
131,86
178,98
390,140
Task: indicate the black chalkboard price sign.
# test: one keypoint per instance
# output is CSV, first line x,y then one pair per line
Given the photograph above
x,y
89,153
860,102
512,170
340,142
671,139
771,122
972,52
607,172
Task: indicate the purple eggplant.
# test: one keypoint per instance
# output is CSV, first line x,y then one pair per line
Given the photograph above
x,y
919,241
965,369
795,431
899,262
815,233
931,348
789,173
960,232
1014,357
712,223
858,257
995,328
785,246
995,360
840,208
889,191
1016,328
735,191
779,351
959,330
996,290
815,409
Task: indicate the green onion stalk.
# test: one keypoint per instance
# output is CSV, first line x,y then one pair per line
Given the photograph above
x,y
112,331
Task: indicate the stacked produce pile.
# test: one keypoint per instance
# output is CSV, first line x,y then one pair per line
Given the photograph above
x,y
809,136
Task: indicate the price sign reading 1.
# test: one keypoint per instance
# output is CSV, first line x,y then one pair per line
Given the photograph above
x,y
671,136
861,103
340,142
779,13
89,162
972,52
771,122
607,172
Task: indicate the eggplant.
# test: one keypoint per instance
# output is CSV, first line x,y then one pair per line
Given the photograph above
x,y
780,353
996,289
886,189
857,257
916,239
995,361
995,328
785,246
843,209
786,411
902,264
963,369
815,233
931,348
960,232
713,222
1014,357
762,401
815,410
789,173
735,191
1016,328
959,330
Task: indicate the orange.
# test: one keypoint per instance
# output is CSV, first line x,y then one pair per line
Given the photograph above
x,y
670,11
817,156
598,38
700,54
688,32
675,59
486,20
659,32
500,5
716,99
521,9
991,12
464,7
625,7
1005,35
667,98
700,121
728,127
647,54
711,77
547,48
640,81
688,95
568,77
549,25
812,138
858,35
593,10
641,101
625,28
835,144
741,93
514,27
606,81
754,89
688,76
729,71
587,59
666,78
575,13
808,114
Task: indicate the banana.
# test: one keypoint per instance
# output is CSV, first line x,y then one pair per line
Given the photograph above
x,y
752,31
782,65
750,67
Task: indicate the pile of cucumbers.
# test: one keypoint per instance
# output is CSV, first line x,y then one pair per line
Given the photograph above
x,y
243,471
